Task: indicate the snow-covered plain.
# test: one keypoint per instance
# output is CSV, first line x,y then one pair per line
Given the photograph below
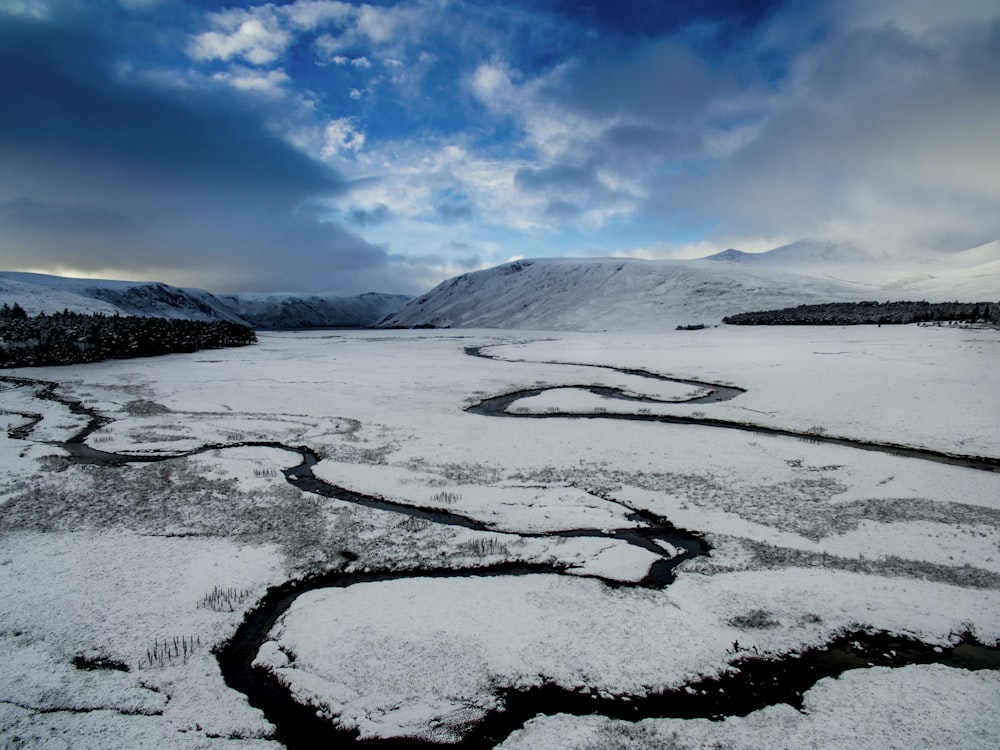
x,y
103,563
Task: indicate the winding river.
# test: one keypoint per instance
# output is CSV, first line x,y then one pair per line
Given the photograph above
x,y
758,682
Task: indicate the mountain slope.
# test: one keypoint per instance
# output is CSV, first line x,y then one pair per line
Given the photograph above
x,y
970,275
38,298
37,292
804,252
611,294
41,293
313,311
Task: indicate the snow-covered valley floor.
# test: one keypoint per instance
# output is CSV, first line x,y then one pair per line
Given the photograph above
x,y
119,578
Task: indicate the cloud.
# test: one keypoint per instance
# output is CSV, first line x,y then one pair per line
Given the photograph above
x,y
257,35
875,121
884,133
270,83
378,214
232,141
342,135
313,14
187,183
34,9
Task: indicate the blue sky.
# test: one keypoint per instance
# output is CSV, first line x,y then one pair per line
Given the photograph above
x,y
320,145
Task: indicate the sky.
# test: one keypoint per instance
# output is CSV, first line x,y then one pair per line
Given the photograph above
x,y
327,146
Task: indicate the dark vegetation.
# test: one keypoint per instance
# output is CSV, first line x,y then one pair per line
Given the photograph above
x,y
68,338
867,313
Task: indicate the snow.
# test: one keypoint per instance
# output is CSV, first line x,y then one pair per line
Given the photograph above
x,y
507,505
443,647
37,298
323,310
42,293
801,377
971,275
105,561
37,292
620,294
611,294
114,594
912,708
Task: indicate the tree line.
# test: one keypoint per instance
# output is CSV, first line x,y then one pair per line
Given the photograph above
x,y
68,338
867,313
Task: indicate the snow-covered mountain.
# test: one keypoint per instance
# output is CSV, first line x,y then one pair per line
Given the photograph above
x,y
313,311
629,294
564,293
972,274
611,294
804,253
38,293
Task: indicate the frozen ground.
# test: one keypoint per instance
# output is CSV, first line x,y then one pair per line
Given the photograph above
x,y
102,565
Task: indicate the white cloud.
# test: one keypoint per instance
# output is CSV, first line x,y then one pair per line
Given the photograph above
x,y
269,82
493,84
381,24
341,136
884,127
312,14
256,35
36,9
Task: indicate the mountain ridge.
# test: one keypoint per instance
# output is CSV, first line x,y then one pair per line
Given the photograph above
x,y
561,293
634,294
43,293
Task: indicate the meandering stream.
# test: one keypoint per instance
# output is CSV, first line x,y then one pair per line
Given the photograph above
x,y
758,682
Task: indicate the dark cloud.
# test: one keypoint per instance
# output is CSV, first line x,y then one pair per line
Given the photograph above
x,y
568,189
561,210
559,177
173,179
520,123
65,106
370,217
660,81
891,133
454,210
30,214
652,18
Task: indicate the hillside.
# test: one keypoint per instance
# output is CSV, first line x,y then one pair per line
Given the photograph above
x,y
804,253
611,294
42,293
971,274
313,311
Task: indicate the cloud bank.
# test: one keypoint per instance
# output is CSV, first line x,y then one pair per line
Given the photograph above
x,y
320,145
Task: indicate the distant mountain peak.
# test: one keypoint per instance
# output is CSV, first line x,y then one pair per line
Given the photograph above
x,y
809,251
732,255
821,251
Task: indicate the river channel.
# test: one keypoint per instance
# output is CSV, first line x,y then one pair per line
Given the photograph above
x,y
757,682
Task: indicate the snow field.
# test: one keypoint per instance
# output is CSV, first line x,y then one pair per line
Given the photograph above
x,y
442,647
912,708
113,596
926,388
424,656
